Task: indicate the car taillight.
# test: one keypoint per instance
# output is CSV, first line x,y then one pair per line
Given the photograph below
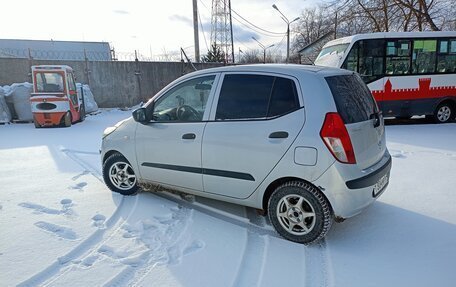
x,y
336,137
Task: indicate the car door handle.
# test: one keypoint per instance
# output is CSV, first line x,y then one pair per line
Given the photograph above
x,y
278,135
189,136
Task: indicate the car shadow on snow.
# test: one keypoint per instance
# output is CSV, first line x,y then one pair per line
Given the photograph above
x,y
403,247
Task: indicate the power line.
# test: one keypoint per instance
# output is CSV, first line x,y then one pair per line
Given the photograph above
x,y
257,30
253,29
265,31
202,29
279,45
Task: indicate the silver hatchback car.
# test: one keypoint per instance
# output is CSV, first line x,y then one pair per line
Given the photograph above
x,y
305,144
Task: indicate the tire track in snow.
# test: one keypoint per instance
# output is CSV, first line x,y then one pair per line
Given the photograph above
x,y
250,270
318,265
138,267
252,227
86,166
54,270
57,269
169,249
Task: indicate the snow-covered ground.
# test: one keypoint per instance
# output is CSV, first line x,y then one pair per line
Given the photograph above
x,y
60,225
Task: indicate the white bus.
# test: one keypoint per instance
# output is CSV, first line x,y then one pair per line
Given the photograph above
x,y
408,73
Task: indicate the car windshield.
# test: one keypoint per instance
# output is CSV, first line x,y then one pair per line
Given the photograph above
x,y
335,52
49,82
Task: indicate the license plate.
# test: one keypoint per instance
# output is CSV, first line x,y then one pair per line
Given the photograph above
x,y
380,185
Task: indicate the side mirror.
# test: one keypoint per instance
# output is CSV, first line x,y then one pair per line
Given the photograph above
x,y
140,115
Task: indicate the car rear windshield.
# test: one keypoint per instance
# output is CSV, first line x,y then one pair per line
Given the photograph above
x,y
353,99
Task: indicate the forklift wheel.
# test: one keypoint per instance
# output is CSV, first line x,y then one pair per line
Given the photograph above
x,y
67,120
82,114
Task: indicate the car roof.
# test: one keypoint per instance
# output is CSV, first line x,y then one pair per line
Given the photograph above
x,y
286,69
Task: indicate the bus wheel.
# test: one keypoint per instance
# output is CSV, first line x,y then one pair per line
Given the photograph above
x,y
444,113
67,120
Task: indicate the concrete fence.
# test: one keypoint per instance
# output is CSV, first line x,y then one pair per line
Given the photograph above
x,y
113,83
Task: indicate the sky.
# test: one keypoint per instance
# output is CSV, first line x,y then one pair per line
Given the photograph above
x,y
155,29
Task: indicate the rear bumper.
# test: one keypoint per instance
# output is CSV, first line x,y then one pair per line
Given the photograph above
x,y
48,119
370,179
349,194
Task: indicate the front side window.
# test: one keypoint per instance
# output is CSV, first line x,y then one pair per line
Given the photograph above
x,y
49,82
244,97
351,63
371,54
423,57
184,103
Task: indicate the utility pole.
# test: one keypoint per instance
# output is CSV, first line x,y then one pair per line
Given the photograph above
x,y
195,30
288,30
264,49
231,31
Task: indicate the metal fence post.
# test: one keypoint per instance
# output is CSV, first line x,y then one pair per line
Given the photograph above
x,y
30,60
138,75
86,69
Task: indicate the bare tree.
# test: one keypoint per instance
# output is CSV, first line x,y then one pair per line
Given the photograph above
x,y
251,56
400,15
313,24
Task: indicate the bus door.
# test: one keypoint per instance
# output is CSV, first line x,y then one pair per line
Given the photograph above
x,y
397,60
367,58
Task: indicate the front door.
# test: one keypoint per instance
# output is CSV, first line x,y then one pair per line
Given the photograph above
x,y
169,147
256,120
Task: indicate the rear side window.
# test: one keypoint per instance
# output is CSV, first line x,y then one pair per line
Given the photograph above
x,y
284,97
353,99
255,97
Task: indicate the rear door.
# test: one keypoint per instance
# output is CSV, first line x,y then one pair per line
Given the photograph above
x,y
255,121
361,116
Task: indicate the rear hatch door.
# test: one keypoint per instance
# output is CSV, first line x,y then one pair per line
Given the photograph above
x,y
361,116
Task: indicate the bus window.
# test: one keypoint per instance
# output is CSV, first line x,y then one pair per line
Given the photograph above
x,y
397,57
351,63
371,54
446,57
423,57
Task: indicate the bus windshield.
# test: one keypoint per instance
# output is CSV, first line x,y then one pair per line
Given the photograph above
x,y
330,56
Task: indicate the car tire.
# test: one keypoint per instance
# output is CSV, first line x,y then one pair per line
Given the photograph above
x,y
119,176
444,113
300,212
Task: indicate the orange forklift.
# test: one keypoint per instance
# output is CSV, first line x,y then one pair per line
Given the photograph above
x,y
55,101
